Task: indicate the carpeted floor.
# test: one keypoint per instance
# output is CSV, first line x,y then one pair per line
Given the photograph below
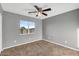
x,y
39,48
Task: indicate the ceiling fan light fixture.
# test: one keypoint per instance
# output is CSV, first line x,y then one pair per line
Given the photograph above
x,y
40,11
39,14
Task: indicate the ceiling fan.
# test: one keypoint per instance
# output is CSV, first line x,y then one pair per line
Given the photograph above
x,y
40,11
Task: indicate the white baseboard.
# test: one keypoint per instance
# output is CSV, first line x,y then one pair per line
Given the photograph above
x,y
62,45
20,44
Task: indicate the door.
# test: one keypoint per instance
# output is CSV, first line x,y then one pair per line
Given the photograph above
x,y
0,32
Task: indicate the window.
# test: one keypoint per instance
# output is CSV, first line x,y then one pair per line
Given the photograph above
x,y
27,27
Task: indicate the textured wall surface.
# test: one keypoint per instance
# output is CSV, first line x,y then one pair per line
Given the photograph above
x,y
62,28
0,8
11,25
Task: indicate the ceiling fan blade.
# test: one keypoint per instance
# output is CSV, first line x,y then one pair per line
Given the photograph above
x,y
44,14
36,7
49,9
32,12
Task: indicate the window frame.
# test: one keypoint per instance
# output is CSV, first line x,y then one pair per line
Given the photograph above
x,y
28,27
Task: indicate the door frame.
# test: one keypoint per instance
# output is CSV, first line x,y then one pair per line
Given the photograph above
x,y
0,32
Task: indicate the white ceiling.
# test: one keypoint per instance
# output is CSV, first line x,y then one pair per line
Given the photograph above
x,y
24,8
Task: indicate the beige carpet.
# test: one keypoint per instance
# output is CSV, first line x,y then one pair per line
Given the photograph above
x,y
39,48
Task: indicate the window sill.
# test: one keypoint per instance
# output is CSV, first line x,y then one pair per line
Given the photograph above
x,y
27,34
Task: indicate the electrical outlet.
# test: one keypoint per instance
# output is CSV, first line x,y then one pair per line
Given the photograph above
x,y
15,41
65,42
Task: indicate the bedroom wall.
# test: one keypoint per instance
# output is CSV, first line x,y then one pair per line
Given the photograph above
x,y
0,28
1,9
63,29
11,24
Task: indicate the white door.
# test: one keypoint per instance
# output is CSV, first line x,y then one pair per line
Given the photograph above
x,y
78,37
0,32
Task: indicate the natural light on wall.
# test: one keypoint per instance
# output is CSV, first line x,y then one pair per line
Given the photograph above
x,y
27,27
78,37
